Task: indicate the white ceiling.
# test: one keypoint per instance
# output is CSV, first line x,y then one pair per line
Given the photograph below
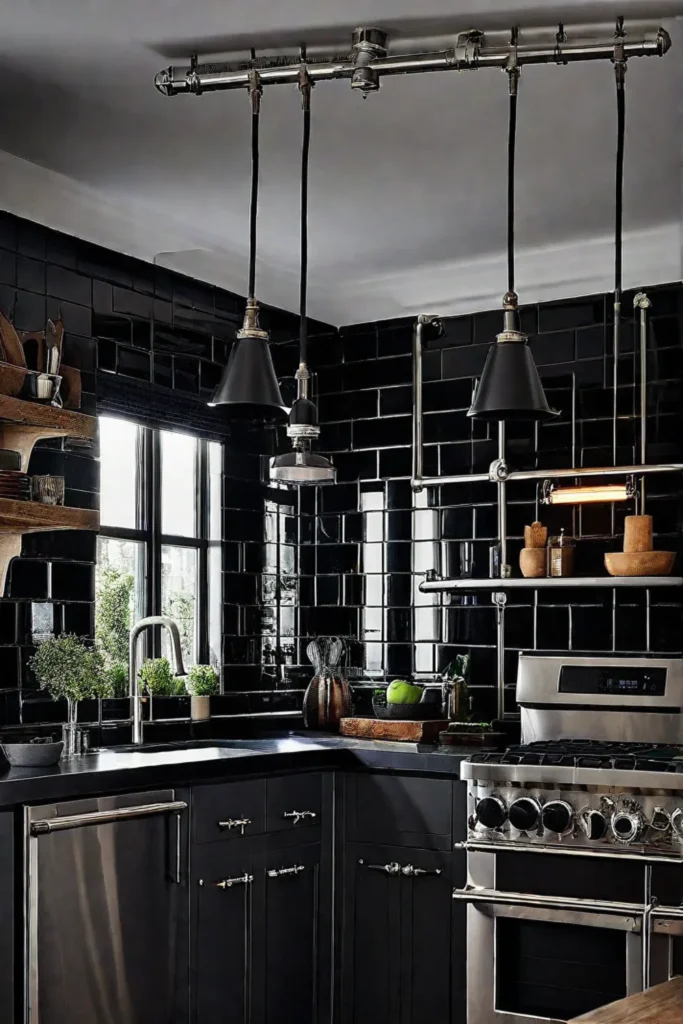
x,y
408,187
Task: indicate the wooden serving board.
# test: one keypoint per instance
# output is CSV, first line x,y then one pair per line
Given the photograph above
x,y
662,1004
393,729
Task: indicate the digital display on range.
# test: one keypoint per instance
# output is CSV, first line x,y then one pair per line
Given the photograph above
x,y
627,681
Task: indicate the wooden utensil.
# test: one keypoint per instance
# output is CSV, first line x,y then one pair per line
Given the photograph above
x,y
639,563
535,536
637,533
13,350
532,562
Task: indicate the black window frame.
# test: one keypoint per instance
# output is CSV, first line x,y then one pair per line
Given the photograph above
x,y
149,534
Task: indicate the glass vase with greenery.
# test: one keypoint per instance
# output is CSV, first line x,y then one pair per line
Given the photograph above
x,y
70,669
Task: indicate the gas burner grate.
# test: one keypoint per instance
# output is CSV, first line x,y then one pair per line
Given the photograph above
x,y
641,757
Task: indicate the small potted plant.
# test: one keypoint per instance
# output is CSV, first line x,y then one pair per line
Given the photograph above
x,y
72,670
157,680
202,684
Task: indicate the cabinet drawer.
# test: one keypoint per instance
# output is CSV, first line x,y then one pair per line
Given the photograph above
x,y
399,811
229,811
293,802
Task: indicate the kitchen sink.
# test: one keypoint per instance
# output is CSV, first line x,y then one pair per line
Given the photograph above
x,y
265,745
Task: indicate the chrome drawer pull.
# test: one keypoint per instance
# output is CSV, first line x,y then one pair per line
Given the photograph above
x,y
227,883
297,816
240,823
418,872
390,869
296,869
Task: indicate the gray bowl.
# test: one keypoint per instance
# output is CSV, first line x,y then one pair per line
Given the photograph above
x,y
32,755
405,712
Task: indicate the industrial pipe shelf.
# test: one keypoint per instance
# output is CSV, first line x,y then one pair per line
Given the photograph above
x,y
430,586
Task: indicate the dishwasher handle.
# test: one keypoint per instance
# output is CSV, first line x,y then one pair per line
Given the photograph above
x,y
44,826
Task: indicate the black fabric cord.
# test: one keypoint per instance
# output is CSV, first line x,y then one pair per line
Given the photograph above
x,y
253,210
619,205
512,138
303,287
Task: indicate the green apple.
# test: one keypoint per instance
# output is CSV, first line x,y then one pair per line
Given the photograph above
x,y
402,692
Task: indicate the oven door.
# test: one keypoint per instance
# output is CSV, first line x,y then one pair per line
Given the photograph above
x,y
534,955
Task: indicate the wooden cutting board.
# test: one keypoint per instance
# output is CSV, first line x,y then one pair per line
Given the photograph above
x,y
393,729
662,1004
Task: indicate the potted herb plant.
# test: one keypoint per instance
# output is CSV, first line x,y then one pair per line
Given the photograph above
x,y
201,684
72,670
157,680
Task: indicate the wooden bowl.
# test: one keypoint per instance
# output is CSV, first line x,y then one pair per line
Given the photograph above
x,y
532,562
639,563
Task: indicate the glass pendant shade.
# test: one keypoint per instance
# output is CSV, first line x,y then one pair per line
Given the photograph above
x,y
510,388
302,467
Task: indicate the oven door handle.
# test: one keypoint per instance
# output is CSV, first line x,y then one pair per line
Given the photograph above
x,y
496,897
473,846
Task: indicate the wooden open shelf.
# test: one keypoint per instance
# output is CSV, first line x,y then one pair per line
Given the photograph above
x,y
22,424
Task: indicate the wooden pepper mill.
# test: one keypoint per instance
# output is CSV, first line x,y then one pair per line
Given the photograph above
x,y
532,557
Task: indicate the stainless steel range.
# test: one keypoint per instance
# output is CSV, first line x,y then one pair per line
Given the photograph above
x,y
575,842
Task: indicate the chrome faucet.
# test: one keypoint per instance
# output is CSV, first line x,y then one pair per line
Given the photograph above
x,y
133,681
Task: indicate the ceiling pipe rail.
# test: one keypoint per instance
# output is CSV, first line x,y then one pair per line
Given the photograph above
x,y
369,60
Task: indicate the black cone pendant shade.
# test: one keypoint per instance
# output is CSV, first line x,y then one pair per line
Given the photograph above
x,y
301,466
248,388
509,387
248,384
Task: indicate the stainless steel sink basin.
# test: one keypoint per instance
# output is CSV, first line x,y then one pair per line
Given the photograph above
x,y
180,745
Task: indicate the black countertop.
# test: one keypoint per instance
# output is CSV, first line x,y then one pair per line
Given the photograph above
x,y
117,770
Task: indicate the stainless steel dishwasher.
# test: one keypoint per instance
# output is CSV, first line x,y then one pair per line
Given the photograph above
x,y
103,907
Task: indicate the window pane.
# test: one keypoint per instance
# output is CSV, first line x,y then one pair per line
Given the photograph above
x,y
118,472
178,484
215,554
179,598
119,603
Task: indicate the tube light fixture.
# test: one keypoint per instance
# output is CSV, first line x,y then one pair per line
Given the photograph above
x,y
586,493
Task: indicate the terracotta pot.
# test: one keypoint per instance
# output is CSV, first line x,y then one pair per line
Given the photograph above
x,y
532,562
200,708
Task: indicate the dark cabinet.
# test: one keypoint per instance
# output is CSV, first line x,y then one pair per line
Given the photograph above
x,y
396,936
258,934
6,917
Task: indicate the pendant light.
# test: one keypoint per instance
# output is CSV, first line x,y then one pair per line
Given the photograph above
x,y
509,387
301,465
249,388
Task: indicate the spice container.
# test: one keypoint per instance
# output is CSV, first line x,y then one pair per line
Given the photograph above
x,y
561,555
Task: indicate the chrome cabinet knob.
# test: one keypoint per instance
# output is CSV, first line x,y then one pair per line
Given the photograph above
x,y
297,816
228,883
232,823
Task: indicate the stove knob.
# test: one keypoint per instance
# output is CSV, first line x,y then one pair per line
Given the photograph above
x,y
524,814
593,824
627,826
491,812
660,820
677,822
557,816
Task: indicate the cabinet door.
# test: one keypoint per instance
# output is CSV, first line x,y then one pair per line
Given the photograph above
x,y
288,936
371,913
7,917
426,930
223,924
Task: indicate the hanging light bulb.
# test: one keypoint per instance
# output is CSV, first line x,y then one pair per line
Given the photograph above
x,y
509,387
302,466
248,386
586,493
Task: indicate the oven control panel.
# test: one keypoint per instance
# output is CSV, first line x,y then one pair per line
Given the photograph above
x,y
525,815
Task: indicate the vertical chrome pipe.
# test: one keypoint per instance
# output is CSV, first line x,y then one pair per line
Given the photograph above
x,y
615,371
499,599
418,469
642,302
502,507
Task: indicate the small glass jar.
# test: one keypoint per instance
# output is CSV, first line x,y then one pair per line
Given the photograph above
x,y
561,555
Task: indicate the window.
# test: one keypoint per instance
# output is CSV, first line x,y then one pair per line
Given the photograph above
x,y
159,546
